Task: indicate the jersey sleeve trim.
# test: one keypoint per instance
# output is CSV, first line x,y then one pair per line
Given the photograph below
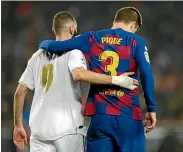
x,y
26,85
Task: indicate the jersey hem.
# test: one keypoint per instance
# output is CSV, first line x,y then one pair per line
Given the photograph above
x,y
51,137
76,131
90,115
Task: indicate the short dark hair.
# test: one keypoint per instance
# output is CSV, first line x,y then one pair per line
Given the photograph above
x,y
62,20
128,14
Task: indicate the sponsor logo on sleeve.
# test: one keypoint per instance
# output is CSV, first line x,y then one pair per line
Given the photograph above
x,y
146,54
146,48
83,60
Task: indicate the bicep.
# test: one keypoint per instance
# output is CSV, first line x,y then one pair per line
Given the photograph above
x,y
21,90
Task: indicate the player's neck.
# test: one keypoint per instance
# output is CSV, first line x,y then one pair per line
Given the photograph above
x,y
63,37
122,26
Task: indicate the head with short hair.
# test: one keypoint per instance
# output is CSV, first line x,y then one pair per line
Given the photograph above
x,y
64,21
130,16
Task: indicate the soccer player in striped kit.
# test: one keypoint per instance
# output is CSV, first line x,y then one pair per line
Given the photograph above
x,y
116,123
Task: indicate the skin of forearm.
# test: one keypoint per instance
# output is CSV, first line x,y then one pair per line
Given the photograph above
x,y
18,105
83,100
91,77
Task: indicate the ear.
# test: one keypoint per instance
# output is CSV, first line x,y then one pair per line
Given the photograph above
x,y
136,28
53,30
72,29
133,26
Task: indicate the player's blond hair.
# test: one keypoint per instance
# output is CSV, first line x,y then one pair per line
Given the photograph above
x,y
62,20
127,15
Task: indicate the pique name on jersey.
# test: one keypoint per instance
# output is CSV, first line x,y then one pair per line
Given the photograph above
x,y
111,40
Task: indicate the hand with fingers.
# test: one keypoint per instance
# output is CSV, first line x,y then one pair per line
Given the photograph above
x,y
20,137
134,81
125,81
128,82
150,121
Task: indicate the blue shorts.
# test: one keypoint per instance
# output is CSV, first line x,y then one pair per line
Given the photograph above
x,y
109,133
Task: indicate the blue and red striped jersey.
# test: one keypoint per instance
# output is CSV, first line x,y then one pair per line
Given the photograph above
x,y
113,52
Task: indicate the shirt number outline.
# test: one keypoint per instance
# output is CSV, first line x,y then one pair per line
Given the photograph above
x,y
47,77
114,61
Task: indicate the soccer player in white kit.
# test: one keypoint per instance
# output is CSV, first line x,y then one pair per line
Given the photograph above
x,y
56,121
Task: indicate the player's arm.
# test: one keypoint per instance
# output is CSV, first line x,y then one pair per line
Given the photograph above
x,y
19,134
19,98
146,76
26,82
80,42
77,66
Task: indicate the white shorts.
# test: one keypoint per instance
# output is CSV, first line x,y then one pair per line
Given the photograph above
x,y
68,143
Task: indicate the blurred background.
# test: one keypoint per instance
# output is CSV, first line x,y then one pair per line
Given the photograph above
x,y
25,23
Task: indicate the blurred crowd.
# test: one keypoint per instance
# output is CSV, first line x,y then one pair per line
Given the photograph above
x,y
25,23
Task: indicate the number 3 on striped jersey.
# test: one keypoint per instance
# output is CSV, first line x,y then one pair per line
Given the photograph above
x,y
47,77
114,61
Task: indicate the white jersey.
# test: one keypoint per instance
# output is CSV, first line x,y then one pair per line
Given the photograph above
x,y
56,106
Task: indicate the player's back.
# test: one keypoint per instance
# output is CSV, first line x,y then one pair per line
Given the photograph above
x,y
112,52
56,108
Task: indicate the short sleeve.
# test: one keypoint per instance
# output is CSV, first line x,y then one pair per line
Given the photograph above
x,y
76,60
27,78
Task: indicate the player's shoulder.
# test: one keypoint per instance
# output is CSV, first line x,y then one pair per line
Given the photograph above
x,y
76,53
37,53
140,42
130,35
138,39
36,56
